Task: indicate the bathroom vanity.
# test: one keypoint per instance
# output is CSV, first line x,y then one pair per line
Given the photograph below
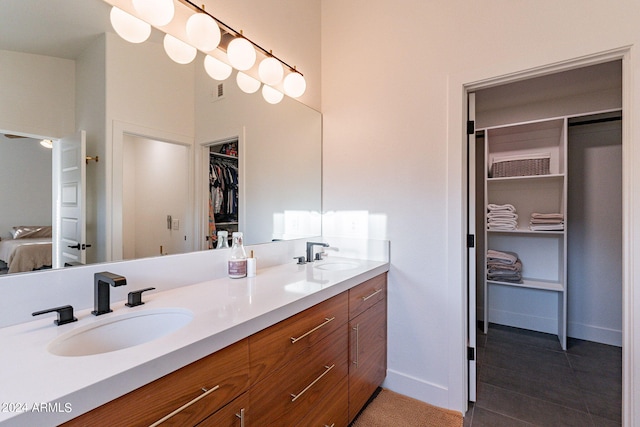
x,y
295,345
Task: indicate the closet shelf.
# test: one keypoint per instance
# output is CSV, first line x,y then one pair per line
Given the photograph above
x,y
527,231
532,284
550,177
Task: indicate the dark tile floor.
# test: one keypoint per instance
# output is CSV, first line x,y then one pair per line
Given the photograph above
x,y
524,379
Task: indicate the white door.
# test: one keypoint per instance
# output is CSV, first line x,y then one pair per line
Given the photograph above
x,y
69,246
472,239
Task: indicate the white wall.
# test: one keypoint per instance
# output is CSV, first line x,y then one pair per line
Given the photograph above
x,y
38,94
291,28
91,104
280,157
25,184
393,76
595,232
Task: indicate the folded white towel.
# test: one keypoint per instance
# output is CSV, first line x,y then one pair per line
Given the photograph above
x,y
501,256
545,221
502,221
502,227
546,227
506,207
547,215
506,215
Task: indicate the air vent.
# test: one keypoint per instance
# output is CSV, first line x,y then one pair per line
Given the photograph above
x,y
218,92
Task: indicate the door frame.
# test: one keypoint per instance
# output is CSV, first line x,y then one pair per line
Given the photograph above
x,y
459,85
202,177
114,204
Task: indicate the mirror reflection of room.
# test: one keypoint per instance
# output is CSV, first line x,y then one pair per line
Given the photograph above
x,y
25,216
88,78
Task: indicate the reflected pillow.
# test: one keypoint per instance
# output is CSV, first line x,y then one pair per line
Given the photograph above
x,y
31,231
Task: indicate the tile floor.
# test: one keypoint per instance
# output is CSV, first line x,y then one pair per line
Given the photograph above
x,y
524,379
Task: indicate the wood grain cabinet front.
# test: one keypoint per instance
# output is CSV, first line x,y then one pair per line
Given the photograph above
x,y
183,398
231,415
287,396
368,342
277,345
316,368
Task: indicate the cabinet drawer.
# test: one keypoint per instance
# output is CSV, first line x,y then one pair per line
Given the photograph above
x,y
231,415
286,397
274,347
225,374
367,294
333,410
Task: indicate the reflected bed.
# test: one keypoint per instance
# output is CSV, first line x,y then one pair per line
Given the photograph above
x,y
26,254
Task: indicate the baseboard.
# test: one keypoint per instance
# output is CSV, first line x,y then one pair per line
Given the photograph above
x,y
595,333
524,321
434,394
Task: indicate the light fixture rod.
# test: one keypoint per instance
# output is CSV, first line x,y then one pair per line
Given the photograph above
x,y
230,30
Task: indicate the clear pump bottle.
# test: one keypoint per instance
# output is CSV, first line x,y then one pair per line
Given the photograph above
x,y
237,258
223,240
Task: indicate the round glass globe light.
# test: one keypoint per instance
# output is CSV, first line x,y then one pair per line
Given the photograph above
x,y
155,12
203,32
271,95
129,27
241,54
294,85
270,71
247,83
179,51
216,69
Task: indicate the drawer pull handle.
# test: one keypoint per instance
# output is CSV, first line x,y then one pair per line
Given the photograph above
x,y
372,295
241,416
332,425
327,369
356,359
327,320
185,406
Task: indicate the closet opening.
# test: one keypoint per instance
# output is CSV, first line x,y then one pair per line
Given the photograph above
x,y
546,178
223,192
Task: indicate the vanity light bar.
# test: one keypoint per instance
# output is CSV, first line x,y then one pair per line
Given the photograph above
x,y
229,30
225,48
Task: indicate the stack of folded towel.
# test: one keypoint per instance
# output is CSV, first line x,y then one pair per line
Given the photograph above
x,y
546,222
501,217
504,266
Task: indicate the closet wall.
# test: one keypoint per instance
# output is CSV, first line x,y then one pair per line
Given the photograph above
x,y
595,231
576,92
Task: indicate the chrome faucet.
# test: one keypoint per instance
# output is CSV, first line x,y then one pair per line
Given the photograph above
x,y
310,246
101,297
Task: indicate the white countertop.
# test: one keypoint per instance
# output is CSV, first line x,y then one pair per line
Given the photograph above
x,y
39,388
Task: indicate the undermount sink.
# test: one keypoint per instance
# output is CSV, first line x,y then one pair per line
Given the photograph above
x,y
337,265
120,332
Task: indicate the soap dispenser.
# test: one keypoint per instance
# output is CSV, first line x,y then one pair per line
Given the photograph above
x,y
237,258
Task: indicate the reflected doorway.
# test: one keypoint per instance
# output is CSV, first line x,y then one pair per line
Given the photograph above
x,y
156,204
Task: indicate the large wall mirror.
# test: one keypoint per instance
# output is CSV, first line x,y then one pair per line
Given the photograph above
x,y
152,124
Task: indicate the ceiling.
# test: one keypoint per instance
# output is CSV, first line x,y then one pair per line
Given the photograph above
x,y
60,28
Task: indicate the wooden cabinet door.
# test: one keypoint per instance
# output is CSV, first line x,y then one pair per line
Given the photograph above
x,y
285,397
277,345
368,355
231,415
221,376
367,294
333,410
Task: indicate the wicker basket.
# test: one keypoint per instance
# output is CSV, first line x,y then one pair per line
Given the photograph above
x,y
525,165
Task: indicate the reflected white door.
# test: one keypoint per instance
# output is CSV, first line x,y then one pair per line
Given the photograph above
x,y
69,192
